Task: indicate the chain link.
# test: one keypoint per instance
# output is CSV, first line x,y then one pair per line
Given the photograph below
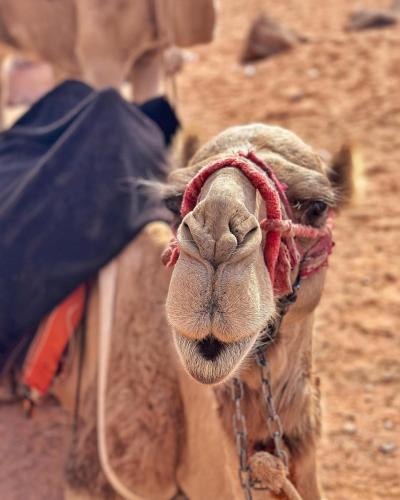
x,y
273,421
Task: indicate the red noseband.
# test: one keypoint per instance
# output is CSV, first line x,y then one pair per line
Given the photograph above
x,y
281,253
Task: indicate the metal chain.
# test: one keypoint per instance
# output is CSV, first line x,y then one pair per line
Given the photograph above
x,y
273,421
239,427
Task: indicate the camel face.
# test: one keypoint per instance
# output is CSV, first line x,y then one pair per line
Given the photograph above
x,y
221,297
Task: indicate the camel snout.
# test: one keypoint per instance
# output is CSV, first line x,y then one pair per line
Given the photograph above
x,y
219,230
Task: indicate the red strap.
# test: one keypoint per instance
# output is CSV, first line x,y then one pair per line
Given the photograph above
x,y
261,182
51,339
280,251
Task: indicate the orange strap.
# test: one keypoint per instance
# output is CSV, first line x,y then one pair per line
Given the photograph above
x,y
51,339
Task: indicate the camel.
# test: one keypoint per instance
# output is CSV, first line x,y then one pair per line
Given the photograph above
x,y
106,43
185,335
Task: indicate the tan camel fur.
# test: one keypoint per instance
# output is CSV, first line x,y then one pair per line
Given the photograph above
x,y
169,422
103,43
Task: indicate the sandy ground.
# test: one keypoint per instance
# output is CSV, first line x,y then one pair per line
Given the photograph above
x,y
338,87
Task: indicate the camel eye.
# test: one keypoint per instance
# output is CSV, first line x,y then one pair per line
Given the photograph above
x,y
314,211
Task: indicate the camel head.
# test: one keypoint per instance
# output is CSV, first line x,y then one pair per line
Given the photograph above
x,y
225,284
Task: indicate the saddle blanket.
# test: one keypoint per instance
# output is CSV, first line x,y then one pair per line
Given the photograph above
x,y
71,196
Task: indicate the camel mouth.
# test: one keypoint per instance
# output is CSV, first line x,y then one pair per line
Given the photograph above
x,y
210,361
210,347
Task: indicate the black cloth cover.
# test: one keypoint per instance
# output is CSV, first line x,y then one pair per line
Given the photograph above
x,y
69,196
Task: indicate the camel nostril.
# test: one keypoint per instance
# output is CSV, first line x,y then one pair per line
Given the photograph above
x,y
210,347
249,235
243,227
190,236
194,238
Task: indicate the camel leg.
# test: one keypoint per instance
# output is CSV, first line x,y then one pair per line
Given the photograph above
x,y
2,107
147,76
4,88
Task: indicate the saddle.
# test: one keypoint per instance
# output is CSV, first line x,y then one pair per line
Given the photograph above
x,y
70,201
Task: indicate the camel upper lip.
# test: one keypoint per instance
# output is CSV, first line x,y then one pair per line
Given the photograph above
x,y
209,360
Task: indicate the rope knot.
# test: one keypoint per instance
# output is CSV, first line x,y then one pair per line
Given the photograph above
x,y
283,226
170,255
269,472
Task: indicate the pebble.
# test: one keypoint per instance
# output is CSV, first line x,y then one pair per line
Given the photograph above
x,y
349,428
387,448
388,424
390,277
294,93
313,73
249,70
367,18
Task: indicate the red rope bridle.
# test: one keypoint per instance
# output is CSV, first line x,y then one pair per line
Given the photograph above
x,y
281,251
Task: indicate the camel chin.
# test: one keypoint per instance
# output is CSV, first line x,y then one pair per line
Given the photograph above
x,y
210,361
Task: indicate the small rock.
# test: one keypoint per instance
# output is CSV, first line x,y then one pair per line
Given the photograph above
x,y
363,19
388,377
388,448
390,277
249,70
267,38
388,424
313,73
189,56
349,428
294,94
175,58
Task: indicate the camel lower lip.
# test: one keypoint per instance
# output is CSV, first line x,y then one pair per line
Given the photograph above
x,y
210,361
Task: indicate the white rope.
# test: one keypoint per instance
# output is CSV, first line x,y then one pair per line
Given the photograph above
x,y
107,289
290,490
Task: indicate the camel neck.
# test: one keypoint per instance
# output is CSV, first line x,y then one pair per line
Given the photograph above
x,y
290,362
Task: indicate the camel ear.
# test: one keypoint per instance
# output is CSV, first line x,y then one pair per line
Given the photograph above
x,y
186,143
172,191
341,172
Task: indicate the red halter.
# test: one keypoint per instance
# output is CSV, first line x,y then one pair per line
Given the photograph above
x,y
281,253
